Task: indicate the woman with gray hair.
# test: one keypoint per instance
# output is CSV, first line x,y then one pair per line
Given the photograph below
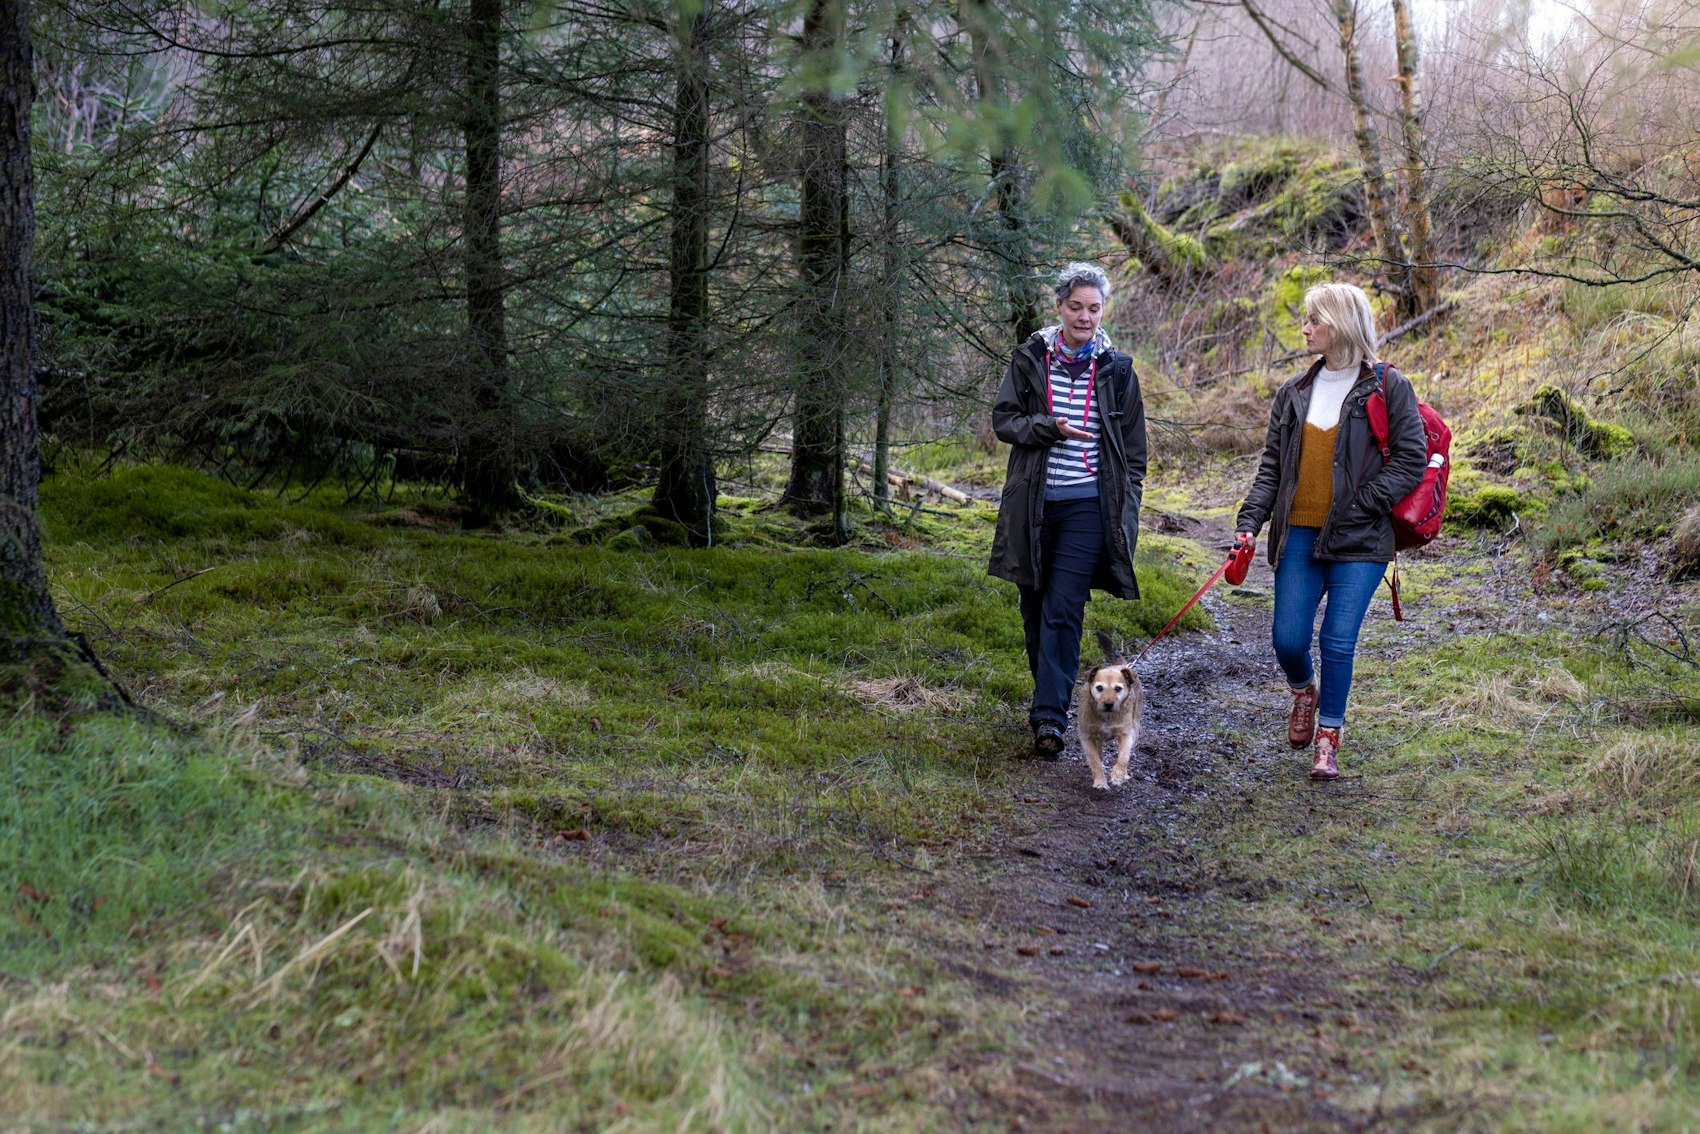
x,y
1328,495
1071,410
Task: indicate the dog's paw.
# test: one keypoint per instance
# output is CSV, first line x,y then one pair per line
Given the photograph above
x,y
1101,785
1119,776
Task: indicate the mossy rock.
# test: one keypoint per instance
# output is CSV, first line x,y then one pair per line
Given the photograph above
x,y
1264,195
634,538
1499,450
1490,506
1325,206
1596,440
1174,256
1258,178
1588,572
1191,202
662,531
642,529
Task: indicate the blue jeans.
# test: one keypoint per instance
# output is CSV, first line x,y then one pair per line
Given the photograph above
x,y
1071,544
1300,582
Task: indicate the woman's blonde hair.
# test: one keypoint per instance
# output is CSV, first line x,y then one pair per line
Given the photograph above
x,y
1344,309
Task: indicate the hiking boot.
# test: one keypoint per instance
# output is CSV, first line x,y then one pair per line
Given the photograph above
x,y
1326,766
1301,725
1048,740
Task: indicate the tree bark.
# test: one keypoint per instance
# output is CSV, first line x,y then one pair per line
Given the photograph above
x,y
686,491
1383,227
29,623
891,282
1425,289
488,464
816,485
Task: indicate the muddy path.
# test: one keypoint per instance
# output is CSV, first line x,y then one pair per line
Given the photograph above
x,y
1107,920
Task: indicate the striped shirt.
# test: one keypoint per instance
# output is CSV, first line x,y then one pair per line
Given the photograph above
x,y
1072,464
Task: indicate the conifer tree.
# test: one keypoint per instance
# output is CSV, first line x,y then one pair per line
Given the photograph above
x,y
29,623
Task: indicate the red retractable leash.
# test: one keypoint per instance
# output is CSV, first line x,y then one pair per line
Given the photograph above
x,y
1234,570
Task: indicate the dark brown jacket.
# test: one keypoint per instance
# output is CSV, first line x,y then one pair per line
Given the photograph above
x,y
1021,416
1358,526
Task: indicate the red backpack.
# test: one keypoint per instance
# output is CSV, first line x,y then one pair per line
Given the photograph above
x,y
1416,518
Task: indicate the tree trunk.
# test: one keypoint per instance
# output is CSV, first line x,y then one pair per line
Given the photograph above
x,y
1014,249
1425,289
891,282
488,464
1383,227
29,624
817,436
686,491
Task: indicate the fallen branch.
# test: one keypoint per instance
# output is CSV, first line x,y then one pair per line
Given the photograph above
x,y
191,575
1431,313
903,479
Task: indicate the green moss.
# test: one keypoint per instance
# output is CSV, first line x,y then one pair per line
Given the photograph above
x,y
164,501
1260,174
1487,506
1324,206
1596,440
1172,255
1588,572
1498,450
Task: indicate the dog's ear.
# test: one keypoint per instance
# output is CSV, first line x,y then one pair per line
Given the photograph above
x,y
1127,674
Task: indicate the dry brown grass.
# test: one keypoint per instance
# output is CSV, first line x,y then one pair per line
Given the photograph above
x,y
905,694
1685,544
1230,416
1647,765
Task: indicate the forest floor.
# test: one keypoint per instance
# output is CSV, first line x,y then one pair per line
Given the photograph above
x,y
1170,980
766,827
1128,928
1105,916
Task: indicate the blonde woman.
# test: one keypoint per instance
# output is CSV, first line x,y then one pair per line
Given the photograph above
x,y
1327,495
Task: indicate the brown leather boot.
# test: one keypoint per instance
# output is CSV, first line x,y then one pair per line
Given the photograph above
x,y
1301,725
1327,766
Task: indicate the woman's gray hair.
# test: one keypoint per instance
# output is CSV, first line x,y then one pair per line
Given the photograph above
x,y
1081,275
1345,310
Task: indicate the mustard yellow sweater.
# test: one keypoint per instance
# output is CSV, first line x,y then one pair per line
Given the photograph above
x,y
1316,478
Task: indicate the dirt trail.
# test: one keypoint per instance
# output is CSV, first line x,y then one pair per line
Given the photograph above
x,y
1100,918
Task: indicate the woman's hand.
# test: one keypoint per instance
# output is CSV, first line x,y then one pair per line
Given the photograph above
x,y
1075,432
1246,538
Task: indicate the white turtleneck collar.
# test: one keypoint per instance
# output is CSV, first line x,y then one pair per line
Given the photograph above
x,y
1328,393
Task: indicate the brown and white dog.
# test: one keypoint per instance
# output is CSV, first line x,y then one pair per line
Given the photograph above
x,y
1107,716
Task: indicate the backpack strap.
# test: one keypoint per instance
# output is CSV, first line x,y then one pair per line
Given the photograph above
x,y
1375,407
1122,389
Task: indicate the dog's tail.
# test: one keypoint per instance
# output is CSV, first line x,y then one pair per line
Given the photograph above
x,y
1112,653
